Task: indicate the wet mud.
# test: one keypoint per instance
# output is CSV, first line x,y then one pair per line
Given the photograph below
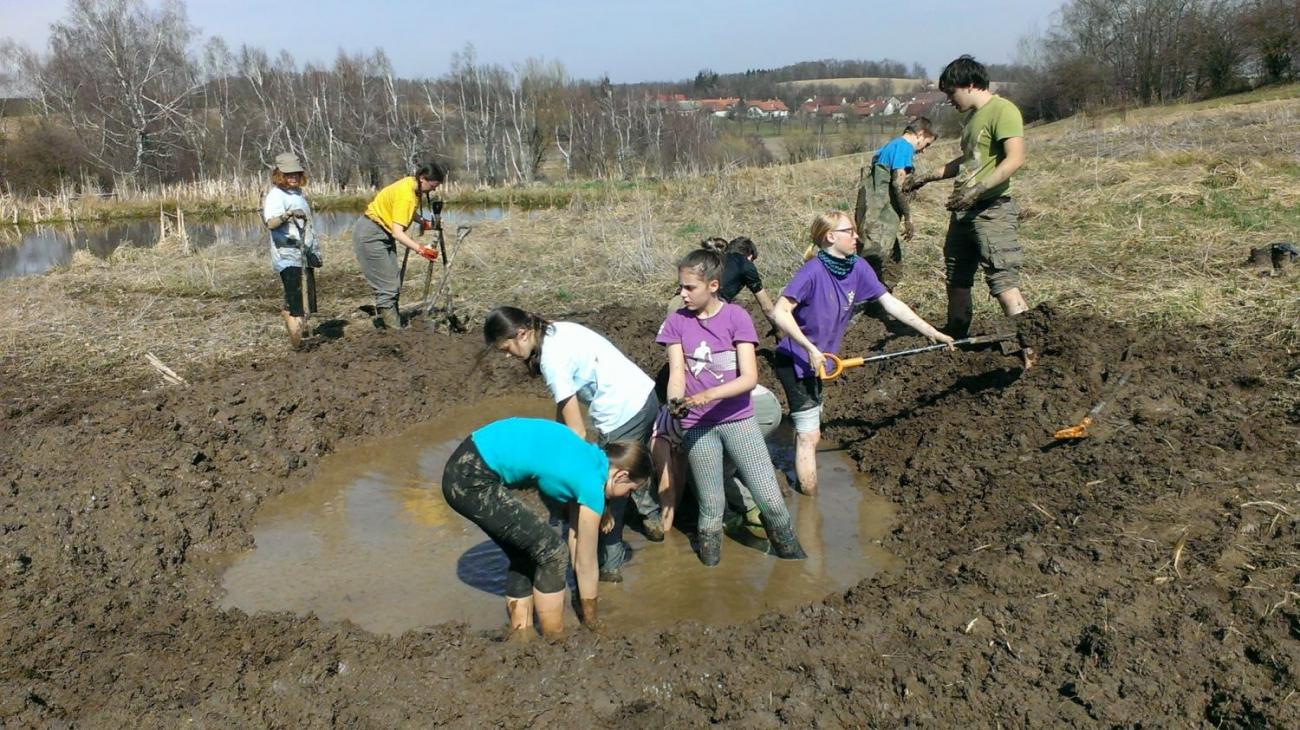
x,y
372,541
1146,575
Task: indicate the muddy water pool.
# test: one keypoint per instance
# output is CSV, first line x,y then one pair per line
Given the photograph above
x,y
372,541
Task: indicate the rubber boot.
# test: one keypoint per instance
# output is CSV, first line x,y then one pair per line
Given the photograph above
x,y
390,318
710,546
785,544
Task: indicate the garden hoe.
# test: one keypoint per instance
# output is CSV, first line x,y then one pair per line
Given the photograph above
x,y
1008,343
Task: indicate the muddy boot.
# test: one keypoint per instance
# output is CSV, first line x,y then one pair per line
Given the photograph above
x,y
710,542
785,544
390,319
1261,260
294,327
653,529
519,635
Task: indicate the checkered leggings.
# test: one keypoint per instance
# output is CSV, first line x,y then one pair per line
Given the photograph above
x,y
706,446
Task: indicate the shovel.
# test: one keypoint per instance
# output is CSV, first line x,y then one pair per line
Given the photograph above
x,y
453,322
1080,429
840,364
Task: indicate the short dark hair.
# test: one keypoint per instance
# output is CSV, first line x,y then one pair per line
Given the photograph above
x,y
432,170
920,125
743,246
963,72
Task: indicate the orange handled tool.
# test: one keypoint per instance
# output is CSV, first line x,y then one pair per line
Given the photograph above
x,y
840,364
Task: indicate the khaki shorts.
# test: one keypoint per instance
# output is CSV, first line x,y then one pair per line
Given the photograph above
x,y
984,238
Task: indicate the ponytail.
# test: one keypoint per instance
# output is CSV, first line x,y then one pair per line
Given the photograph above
x,y
503,323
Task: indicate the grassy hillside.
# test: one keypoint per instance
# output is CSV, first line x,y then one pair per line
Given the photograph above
x,y
1144,218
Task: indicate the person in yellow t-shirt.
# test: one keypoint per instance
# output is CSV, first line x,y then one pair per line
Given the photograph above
x,y
982,232
384,225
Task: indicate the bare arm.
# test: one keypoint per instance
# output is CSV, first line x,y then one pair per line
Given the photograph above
x,y
898,193
676,371
765,303
585,568
1014,148
903,313
783,317
400,235
569,413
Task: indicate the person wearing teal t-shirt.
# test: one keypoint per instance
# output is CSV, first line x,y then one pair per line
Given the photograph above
x,y
983,229
480,482
882,203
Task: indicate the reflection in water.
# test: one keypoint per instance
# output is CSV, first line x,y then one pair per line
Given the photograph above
x,y
41,248
372,541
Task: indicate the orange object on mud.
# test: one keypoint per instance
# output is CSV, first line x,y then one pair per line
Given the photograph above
x,y
1080,429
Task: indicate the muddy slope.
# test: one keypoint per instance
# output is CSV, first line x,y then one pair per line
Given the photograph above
x,y
1148,575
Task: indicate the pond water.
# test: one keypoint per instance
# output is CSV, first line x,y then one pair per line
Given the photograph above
x,y
373,542
27,250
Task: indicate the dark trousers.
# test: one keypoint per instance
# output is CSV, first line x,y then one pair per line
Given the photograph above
x,y
537,557
292,280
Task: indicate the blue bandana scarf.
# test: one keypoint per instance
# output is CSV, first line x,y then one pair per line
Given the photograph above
x,y
839,268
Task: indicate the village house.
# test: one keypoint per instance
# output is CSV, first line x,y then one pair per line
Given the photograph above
x,y
766,109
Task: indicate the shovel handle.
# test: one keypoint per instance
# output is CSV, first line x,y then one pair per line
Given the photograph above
x,y
839,365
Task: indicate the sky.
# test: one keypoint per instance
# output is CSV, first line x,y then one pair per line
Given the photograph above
x,y
651,40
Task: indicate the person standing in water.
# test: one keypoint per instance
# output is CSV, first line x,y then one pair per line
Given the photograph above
x,y
385,224
481,480
712,369
582,368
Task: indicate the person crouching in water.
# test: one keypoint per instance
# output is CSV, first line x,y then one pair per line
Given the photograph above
x,y
711,371
582,367
814,311
385,224
480,480
287,214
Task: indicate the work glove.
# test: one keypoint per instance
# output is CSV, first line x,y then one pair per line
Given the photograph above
x,y
916,182
964,198
314,260
429,252
298,213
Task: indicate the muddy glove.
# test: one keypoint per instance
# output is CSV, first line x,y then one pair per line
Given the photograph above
x,y
298,213
916,182
965,198
909,230
313,259
429,252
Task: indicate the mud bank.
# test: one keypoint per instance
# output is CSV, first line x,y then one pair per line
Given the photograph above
x,y
1145,575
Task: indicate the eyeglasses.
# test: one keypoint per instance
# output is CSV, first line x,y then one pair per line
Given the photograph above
x,y
854,231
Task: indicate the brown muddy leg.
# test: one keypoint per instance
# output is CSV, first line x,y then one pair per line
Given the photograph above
x,y
550,612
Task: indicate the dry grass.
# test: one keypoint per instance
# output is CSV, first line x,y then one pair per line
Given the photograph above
x,y
1145,222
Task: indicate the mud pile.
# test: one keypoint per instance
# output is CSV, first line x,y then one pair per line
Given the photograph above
x,y
1147,574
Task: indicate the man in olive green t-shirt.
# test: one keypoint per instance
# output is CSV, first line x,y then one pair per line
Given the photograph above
x,y
982,229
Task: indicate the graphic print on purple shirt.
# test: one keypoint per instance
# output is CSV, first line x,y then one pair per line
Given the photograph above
x,y
709,346
823,306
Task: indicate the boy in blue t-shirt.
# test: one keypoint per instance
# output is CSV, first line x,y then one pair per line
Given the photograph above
x,y
881,202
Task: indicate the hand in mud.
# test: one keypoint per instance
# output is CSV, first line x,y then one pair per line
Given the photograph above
x,y
965,198
909,230
677,408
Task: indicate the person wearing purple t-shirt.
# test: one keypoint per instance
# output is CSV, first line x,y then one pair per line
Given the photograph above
x,y
813,312
711,371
